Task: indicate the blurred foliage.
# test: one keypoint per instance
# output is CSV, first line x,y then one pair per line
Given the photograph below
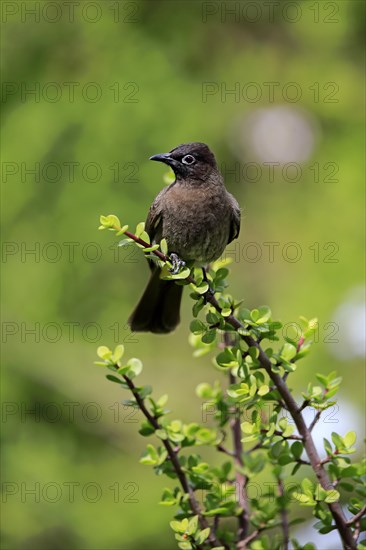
x,y
160,59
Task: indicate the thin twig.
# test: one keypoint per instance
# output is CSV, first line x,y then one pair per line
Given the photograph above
x,y
284,516
242,545
277,432
241,479
175,462
357,516
357,531
223,449
304,405
316,419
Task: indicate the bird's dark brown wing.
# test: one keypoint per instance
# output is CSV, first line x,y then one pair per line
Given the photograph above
x,y
154,221
235,219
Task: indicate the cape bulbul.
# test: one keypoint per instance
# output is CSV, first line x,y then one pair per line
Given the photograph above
x,y
198,217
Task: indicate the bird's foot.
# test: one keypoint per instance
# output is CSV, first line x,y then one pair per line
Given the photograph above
x,y
177,264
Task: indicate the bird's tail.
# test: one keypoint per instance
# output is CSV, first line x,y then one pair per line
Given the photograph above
x,y
158,310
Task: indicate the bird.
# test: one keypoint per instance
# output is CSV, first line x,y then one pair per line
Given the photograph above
x,y
198,218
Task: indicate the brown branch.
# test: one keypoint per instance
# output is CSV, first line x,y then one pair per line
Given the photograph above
x,y
304,405
157,253
357,516
357,531
320,472
277,432
175,462
301,461
223,449
284,517
241,479
314,422
242,545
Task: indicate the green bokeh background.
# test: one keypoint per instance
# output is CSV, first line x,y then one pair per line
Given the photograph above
x,y
159,53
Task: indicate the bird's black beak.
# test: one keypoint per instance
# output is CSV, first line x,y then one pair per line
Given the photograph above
x,y
164,157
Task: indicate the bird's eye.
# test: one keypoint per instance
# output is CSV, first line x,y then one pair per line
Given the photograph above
x,y
188,159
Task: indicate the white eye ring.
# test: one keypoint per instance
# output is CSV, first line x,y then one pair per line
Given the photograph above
x,y
188,159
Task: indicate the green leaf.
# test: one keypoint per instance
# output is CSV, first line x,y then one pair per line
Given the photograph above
x,y
327,447
104,353
226,359
263,390
332,496
209,336
244,315
139,229
303,499
200,289
168,499
110,221
221,273
297,449
161,402
122,230
192,526
349,439
307,486
264,315
164,246
125,242
162,434
145,391
118,353
288,352
212,318
145,237
204,390
197,306
177,526
203,535
135,367
337,440
146,429
197,326
254,315
114,379
183,274
151,248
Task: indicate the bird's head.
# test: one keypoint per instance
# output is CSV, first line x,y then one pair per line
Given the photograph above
x,y
189,161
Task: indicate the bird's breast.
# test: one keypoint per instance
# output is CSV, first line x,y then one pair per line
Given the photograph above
x,y
196,222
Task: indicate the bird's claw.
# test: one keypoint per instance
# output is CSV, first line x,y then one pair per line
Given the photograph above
x,y
177,264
